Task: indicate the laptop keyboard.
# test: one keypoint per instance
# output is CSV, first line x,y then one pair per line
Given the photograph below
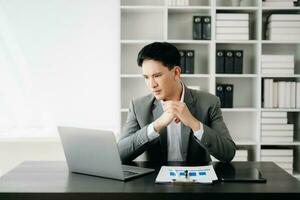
x,y
132,171
129,170
129,173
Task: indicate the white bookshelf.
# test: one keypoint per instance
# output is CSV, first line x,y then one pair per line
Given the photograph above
x,y
146,21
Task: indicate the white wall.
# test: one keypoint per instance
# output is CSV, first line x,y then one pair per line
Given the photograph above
x,y
59,65
13,153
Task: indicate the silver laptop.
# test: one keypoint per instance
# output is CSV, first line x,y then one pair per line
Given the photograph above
x,y
95,152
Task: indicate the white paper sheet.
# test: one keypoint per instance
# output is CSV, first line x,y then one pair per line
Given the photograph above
x,y
195,174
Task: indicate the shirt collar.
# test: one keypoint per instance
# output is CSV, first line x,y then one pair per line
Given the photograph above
x,y
183,91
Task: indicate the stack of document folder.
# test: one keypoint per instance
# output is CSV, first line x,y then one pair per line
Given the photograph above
x,y
283,27
277,64
282,157
232,26
178,2
275,127
278,3
241,155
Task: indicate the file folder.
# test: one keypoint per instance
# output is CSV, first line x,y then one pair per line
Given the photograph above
x,y
238,62
228,96
206,28
229,62
182,61
220,94
220,61
189,61
197,28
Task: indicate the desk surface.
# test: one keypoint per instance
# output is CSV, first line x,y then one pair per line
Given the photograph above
x,y
52,180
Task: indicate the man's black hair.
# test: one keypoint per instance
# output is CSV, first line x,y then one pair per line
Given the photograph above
x,y
163,52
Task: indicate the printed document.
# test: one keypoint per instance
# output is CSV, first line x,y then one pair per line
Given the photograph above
x,y
195,174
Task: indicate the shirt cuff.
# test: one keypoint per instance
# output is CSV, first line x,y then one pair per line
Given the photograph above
x,y
151,133
199,133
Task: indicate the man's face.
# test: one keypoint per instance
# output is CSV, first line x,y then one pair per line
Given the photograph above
x,y
159,79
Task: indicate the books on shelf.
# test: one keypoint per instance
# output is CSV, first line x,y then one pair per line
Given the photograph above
x,y
232,16
292,87
274,114
236,30
281,127
229,61
277,64
277,71
275,128
206,28
232,36
297,95
201,27
291,37
225,93
277,120
277,58
220,61
277,152
277,133
232,26
283,26
178,2
237,158
232,23
276,139
284,17
278,3
272,31
281,94
187,61
275,94
268,93
284,158
241,155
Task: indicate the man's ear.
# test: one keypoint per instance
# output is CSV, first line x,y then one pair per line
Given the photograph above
x,y
177,71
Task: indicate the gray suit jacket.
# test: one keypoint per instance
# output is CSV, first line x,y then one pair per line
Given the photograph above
x,y
205,107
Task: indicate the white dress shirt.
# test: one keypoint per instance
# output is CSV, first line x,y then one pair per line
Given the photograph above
x,y
174,136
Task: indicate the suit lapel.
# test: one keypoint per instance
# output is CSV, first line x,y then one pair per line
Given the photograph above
x,y
186,131
157,112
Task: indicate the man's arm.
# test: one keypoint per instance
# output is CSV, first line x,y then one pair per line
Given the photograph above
x,y
133,140
216,137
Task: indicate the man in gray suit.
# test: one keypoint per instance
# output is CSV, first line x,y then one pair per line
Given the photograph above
x,y
173,123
